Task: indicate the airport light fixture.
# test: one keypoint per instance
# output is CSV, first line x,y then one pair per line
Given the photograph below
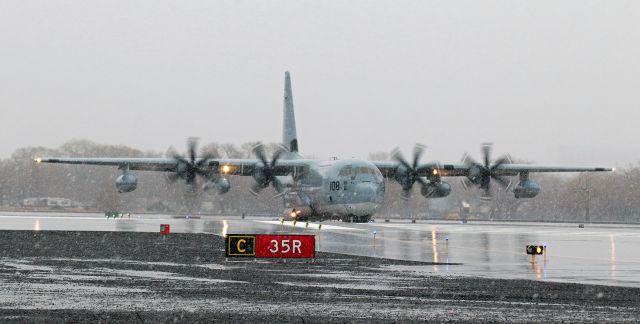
x,y
535,249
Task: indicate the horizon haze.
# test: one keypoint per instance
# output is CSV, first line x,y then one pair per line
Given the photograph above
x,y
548,82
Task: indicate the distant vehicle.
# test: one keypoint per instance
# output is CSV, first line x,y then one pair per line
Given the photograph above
x,y
115,214
351,190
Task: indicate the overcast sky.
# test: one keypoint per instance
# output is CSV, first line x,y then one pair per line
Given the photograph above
x,y
554,82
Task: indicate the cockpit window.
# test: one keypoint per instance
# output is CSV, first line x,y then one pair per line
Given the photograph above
x,y
364,170
345,172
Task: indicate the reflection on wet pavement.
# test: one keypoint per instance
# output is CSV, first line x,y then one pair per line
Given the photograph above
x,y
599,254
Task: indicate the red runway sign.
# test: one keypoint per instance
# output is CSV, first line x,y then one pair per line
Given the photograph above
x,y
271,246
285,246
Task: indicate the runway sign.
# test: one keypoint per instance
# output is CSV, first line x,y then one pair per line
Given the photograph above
x,y
286,246
240,246
270,246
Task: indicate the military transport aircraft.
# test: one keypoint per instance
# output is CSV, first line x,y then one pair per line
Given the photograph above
x,y
351,190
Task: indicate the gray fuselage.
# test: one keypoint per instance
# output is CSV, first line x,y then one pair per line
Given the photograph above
x,y
346,189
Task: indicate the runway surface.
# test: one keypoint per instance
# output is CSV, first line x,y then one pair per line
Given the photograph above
x,y
596,254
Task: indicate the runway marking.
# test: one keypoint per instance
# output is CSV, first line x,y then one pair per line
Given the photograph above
x,y
132,218
476,229
312,226
53,217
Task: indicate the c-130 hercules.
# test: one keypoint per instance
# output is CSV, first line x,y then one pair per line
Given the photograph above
x,y
351,190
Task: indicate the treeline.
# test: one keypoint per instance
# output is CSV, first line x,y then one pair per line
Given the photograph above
x,y
604,197
94,186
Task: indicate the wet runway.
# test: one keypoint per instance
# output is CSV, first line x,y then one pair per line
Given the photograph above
x,y
596,254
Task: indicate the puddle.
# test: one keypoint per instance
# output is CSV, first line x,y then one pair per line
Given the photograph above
x,y
347,276
158,275
20,265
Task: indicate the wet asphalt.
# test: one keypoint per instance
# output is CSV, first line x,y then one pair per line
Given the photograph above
x,y
603,254
111,277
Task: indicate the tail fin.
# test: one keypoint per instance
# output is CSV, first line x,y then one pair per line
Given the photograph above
x,y
289,137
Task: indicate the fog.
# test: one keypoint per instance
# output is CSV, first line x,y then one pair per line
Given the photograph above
x,y
600,197
551,82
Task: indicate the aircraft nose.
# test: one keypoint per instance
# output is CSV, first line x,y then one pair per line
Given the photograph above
x,y
367,191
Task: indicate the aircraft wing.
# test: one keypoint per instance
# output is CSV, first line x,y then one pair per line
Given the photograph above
x,y
453,170
389,169
243,167
144,164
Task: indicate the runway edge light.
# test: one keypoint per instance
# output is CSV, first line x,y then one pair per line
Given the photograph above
x,y
535,249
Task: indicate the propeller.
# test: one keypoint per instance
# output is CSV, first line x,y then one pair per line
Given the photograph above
x,y
188,168
265,174
407,174
481,174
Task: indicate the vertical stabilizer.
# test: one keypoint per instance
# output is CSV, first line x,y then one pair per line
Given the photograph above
x,y
289,137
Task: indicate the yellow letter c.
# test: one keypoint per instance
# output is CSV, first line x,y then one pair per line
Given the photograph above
x,y
240,241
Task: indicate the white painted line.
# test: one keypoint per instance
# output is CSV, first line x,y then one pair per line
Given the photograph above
x,y
53,217
312,226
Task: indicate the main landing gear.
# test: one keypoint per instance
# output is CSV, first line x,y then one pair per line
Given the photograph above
x,y
357,219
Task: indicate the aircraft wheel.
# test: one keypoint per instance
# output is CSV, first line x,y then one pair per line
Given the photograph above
x,y
365,219
359,219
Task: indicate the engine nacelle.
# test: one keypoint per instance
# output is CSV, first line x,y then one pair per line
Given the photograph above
x,y
436,190
526,189
219,186
126,183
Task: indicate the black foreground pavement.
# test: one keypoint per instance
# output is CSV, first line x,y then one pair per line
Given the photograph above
x,y
114,277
